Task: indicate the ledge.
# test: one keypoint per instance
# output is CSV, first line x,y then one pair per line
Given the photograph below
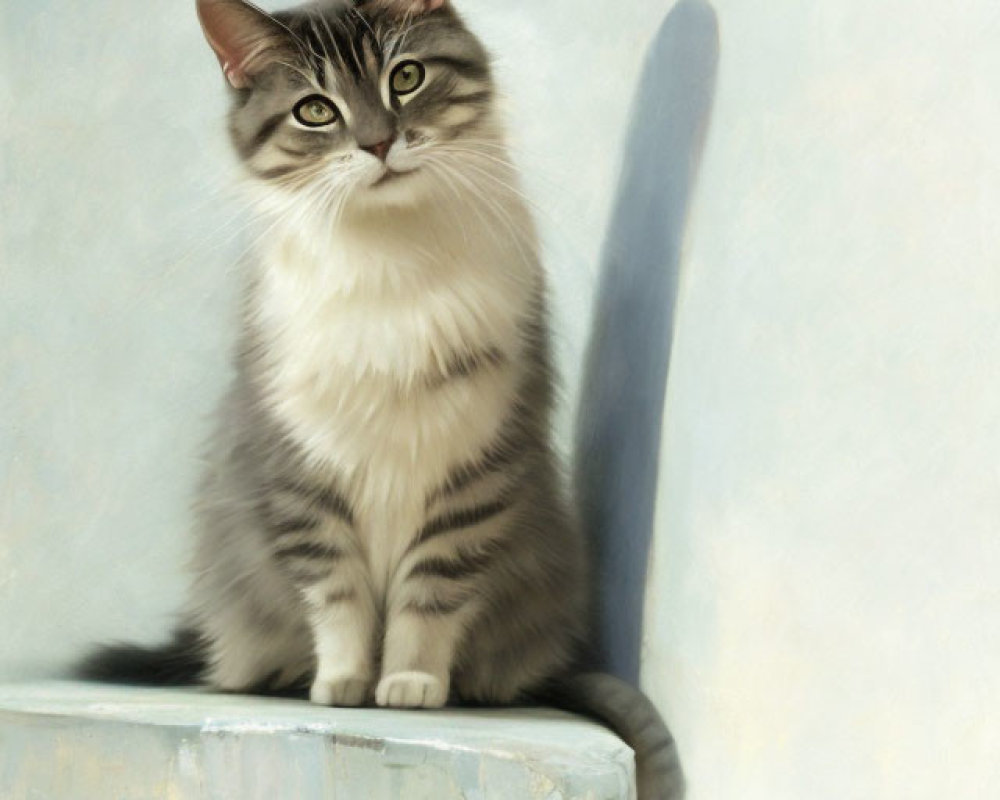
x,y
74,741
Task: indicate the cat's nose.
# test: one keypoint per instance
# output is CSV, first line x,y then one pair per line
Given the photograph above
x,y
380,149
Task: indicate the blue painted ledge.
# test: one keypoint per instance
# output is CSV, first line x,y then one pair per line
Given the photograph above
x,y
71,741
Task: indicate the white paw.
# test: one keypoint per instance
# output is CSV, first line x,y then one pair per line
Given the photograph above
x,y
411,690
339,690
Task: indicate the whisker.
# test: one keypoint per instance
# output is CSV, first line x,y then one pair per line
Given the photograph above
x,y
442,173
488,204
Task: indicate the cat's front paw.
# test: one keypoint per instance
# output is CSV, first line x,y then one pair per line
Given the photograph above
x,y
411,690
340,690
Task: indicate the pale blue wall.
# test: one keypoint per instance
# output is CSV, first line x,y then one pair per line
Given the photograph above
x,y
114,315
822,618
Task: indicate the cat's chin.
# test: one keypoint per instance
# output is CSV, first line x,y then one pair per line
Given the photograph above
x,y
394,188
392,176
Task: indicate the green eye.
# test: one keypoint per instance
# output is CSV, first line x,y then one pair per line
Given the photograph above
x,y
315,111
407,77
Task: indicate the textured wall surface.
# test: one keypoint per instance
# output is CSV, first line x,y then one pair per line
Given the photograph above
x,y
824,618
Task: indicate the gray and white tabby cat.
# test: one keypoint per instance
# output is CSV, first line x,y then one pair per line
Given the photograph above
x,y
383,518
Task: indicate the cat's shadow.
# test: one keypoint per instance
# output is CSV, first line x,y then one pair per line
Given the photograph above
x,y
624,384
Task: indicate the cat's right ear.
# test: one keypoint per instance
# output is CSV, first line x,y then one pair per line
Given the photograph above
x,y
245,38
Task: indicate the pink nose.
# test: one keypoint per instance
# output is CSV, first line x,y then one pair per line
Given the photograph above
x,y
379,149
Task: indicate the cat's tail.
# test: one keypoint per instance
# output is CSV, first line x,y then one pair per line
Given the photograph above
x,y
181,661
630,714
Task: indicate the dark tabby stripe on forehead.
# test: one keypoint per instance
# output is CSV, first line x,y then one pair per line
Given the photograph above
x,y
315,48
346,40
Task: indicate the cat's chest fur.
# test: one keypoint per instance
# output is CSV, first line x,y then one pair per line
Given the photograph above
x,y
366,338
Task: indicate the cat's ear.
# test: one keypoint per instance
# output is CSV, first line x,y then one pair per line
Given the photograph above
x,y
406,7
245,38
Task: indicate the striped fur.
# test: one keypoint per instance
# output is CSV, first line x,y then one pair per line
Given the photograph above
x,y
382,515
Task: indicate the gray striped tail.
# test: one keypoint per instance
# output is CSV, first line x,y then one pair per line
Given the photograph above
x,y
630,714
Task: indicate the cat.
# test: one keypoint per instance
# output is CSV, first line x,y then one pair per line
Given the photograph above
x,y
383,518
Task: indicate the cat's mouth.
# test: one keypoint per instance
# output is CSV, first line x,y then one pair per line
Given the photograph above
x,y
390,175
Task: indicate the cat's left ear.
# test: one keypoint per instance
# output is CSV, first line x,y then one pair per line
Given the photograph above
x,y
245,38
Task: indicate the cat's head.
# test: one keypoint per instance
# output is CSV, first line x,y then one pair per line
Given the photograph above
x,y
365,102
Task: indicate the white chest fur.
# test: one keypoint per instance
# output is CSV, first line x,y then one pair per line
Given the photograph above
x,y
354,329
